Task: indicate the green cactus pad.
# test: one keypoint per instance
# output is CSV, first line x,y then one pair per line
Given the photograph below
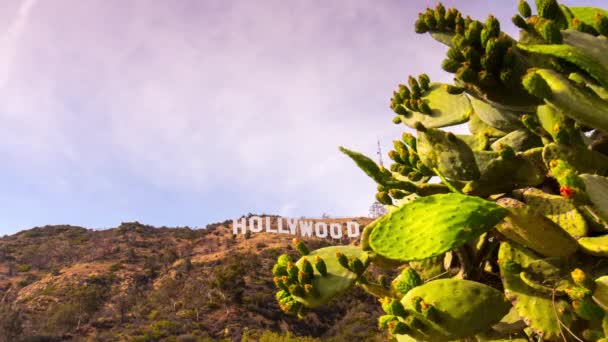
x,y
429,226
583,50
446,109
338,278
477,142
582,159
463,307
500,119
558,209
478,127
519,140
596,188
444,151
536,309
595,245
504,174
587,14
528,227
569,98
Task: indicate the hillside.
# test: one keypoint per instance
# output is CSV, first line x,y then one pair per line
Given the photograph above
x,y
137,282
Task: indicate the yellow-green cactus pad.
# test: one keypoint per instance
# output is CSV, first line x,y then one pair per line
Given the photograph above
x,y
463,307
519,140
558,209
595,245
338,278
527,227
445,152
539,311
446,109
478,127
429,226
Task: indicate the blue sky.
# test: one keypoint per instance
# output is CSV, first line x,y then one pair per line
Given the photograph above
x,y
189,112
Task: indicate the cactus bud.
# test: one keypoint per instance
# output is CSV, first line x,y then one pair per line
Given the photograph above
x,y
524,9
310,290
492,26
578,293
454,90
404,91
278,281
397,120
601,24
511,266
507,76
423,107
320,266
304,278
419,126
417,304
424,81
549,30
300,246
450,65
429,312
537,86
398,328
279,270
473,33
580,278
282,294
450,18
283,260
583,27
296,290
307,267
409,139
384,198
588,310
357,266
466,73
519,22
455,55
472,56
398,194
407,280
412,81
384,320
548,9
429,19
292,270
421,26
343,260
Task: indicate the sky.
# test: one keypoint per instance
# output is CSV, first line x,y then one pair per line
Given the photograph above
x,y
183,113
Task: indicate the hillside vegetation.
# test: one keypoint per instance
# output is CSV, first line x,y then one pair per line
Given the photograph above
x,y
140,283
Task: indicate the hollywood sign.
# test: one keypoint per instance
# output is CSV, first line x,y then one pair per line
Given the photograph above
x,y
294,226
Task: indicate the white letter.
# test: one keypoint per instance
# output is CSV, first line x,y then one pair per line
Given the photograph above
x,y
280,224
252,224
335,230
306,228
236,226
322,234
268,227
293,225
353,229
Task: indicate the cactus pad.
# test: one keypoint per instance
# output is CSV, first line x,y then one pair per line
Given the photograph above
x,y
529,228
463,307
447,153
502,120
558,209
429,226
446,109
338,278
536,309
594,245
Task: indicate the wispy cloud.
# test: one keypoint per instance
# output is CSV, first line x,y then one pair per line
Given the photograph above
x,y
192,111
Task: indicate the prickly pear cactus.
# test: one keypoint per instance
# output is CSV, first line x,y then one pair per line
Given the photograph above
x,y
500,234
